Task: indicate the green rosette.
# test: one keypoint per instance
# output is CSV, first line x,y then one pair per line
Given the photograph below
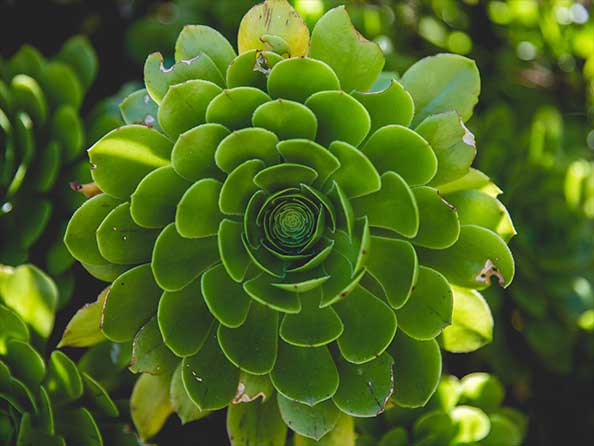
x,y
278,224
42,141
48,401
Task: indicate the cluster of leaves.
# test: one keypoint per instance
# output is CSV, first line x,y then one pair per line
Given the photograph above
x,y
49,401
468,411
42,141
285,222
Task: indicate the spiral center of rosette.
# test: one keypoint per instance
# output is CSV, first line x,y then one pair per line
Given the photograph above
x,y
290,223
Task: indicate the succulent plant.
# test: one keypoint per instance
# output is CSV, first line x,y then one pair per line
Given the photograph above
x,y
46,402
468,411
41,145
288,223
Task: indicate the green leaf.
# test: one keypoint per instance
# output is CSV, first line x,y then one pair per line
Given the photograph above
x,y
356,61
474,179
369,326
132,300
251,387
312,326
472,323
417,370
478,208
256,423
77,426
198,213
159,79
80,237
122,241
233,253
234,107
183,406
340,117
252,346
184,105
239,187
84,329
149,404
399,149
503,431
397,436
251,68
478,257
31,294
282,176
439,226
311,154
193,153
342,434
453,144
24,363
472,423
429,308
287,119
483,391
153,203
194,40
28,96
394,105
305,374
78,53
98,397
139,108
177,261
106,272
244,145
61,85
274,21
343,279
435,427
149,352
11,327
124,156
443,83
392,207
297,79
62,380
356,175
184,319
261,289
311,422
365,389
226,299
208,376
397,280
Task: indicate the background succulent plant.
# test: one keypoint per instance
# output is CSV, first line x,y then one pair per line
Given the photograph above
x,y
53,401
41,141
274,218
468,411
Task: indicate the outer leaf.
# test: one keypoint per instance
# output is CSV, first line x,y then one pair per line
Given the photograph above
x,y
177,261
287,119
244,145
311,422
398,149
340,117
197,39
364,389
342,434
297,79
183,406
416,371
369,326
478,257
356,175
124,156
394,105
472,323
250,69
84,329
226,299
439,225
356,61
149,352
149,404
139,108
210,379
198,213
429,309
252,346
131,301
305,374
234,108
443,83
184,319
256,423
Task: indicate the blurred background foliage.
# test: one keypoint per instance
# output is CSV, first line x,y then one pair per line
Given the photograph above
x,y
535,137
